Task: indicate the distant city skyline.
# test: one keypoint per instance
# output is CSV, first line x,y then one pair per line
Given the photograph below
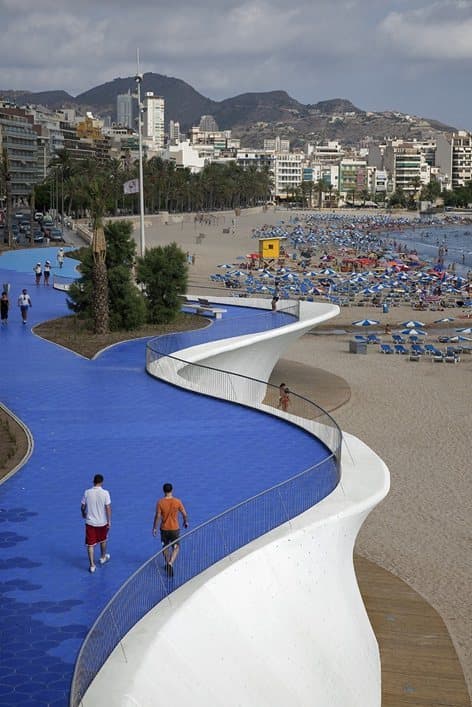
x,y
414,57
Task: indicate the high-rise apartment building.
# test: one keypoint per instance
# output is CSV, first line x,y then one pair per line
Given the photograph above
x,y
154,118
288,172
277,144
174,132
124,109
19,142
208,124
406,165
454,158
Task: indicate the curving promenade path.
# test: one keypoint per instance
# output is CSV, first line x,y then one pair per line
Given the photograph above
x,y
108,416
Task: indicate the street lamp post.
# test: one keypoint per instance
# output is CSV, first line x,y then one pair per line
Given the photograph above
x,y
139,78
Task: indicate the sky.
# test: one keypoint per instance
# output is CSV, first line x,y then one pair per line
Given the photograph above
x,y
414,56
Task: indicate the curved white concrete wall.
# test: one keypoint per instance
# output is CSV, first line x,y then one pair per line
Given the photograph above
x,y
251,355
279,622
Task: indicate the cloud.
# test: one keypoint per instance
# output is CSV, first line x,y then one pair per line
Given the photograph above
x,y
370,51
439,31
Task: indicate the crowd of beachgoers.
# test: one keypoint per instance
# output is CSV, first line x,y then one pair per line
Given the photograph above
x,y
352,259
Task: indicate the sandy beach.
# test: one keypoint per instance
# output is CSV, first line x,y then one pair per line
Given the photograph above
x,y
415,415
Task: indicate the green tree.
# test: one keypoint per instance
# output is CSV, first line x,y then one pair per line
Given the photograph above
x,y
163,273
126,306
398,198
431,191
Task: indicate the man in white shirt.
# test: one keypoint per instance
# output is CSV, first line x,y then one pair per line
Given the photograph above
x,y
96,509
24,303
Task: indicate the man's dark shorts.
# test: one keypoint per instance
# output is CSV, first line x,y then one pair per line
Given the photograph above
x,y
169,537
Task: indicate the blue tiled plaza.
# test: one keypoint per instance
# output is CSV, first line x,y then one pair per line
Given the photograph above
x,y
105,416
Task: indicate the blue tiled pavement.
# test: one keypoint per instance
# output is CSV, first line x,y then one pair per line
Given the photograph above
x,y
107,416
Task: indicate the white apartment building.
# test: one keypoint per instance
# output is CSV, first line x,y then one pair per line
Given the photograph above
x,y
330,153
260,159
406,165
185,155
454,158
218,139
277,144
124,109
154,119
377,180
51,139
288,172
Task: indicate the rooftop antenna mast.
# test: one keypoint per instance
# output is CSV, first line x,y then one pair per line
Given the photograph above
x,y
139,78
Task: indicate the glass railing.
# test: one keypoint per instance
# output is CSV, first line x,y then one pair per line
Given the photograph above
x,y
214,540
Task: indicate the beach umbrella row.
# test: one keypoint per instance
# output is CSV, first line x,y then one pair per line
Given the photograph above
x,y
413,324
366,322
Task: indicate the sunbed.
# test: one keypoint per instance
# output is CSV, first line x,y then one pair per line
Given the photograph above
x,y
418,350
432,350
386,349
400,349
373,339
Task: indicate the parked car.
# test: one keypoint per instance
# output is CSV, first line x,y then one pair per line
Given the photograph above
x,y
55,234
38,236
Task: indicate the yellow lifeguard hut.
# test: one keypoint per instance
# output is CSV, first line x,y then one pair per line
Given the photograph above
x,y
269,248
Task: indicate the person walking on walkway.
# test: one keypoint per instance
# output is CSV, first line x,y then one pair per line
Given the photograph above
x,y
4,307
167,518
60,257
38,271
96,510
24,303
47,272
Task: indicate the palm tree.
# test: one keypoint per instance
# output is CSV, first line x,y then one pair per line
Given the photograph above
x,y
416,184
99,268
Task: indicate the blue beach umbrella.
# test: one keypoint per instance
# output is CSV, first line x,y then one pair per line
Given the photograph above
x,y
413,332
366,322
465,330
412,324
444,320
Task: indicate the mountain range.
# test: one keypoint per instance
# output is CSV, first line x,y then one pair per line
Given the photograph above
x,y
251,116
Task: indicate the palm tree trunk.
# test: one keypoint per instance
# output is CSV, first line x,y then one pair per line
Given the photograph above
x,y
100,283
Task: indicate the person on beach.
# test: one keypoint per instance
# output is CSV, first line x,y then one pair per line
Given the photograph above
x,y
47,272
96,510
24,303
4,307
38,271
167,518
284,399
60,257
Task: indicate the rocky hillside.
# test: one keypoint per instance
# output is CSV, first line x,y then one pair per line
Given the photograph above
x,y
251,116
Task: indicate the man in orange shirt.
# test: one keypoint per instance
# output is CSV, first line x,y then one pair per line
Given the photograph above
x,y
167,517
